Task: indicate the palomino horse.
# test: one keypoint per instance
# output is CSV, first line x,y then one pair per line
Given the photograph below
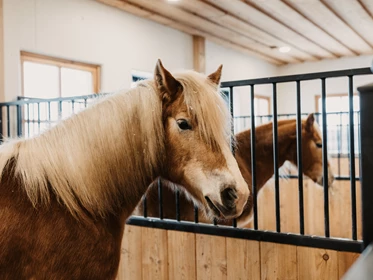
x,y
66,194
287,151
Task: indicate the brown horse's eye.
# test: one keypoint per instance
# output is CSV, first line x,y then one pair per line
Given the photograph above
x,y
319,145
183,124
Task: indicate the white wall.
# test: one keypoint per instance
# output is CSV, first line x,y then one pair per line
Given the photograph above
x,y
287,92
85,30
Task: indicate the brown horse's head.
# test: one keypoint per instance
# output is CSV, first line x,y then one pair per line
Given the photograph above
x,y
312,152
197,133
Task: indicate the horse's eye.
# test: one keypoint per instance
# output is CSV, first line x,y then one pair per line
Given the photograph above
x,y
183,124
319,145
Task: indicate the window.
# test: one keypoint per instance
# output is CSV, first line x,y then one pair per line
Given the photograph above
x,y
337,110
48,77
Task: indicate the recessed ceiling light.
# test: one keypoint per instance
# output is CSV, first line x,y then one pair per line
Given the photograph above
x,y
284,49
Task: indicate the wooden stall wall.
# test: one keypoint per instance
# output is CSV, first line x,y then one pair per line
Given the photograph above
x,y
159,254
149,253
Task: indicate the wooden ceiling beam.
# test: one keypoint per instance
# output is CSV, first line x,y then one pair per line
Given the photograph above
x,y
354,14
141,12
318,13
207,11
293,20
170,11
368,6
266,23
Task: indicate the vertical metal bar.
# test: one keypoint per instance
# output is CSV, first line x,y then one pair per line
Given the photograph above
x,y
177,202
253,159
72,106
215,222
339,141
145,206
196,214
160,198
1,125
8,120
325,158
60,109
366,163
352,157
38,117
28,119
300,159
85,102
275,157
19,121
231,108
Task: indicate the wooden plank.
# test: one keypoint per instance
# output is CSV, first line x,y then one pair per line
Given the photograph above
x,y
154,254
243,259
221,18
211,257
354,14
181,255
278,261
314,263
199,56
2,89
368,6
170,11
322,16
241,10
291,18
130,263
138,11
345,261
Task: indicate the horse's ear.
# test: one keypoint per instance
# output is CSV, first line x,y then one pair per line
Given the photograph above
x,y
167,85
215,77
309,123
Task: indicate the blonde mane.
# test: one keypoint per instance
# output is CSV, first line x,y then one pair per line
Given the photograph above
x,y
96,157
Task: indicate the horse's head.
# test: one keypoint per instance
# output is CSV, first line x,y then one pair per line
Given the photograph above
x,y
197,133
312,152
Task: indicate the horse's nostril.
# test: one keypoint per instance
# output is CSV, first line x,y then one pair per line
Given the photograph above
x,y
228,197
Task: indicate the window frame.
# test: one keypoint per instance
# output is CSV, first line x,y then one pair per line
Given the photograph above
x,y
95,69
318,97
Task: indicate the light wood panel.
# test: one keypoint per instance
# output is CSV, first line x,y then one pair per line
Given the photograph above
x,y
368,6
163,8
243,259
291,18
154,252
2,93
221,18
278,261
211,257
323,17
354,14
138,11
199,56
181,255
268,24
131,259
345,261
317,264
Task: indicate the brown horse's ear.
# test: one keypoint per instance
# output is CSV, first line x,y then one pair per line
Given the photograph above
x,y
309,123
167,85
215,77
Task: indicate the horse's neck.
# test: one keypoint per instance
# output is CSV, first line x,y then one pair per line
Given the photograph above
x,y
264,150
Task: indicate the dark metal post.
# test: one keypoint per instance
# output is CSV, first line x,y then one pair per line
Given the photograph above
x,y
366,160
234,223
325,158
19,121
352,156
300,159
275,158
253,160
1,125
160,198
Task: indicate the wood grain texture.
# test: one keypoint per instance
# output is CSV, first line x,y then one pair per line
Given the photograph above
x,y
243,259
181,255
199,56
316,263
130,266
154,254
211,257
278,261
345,261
